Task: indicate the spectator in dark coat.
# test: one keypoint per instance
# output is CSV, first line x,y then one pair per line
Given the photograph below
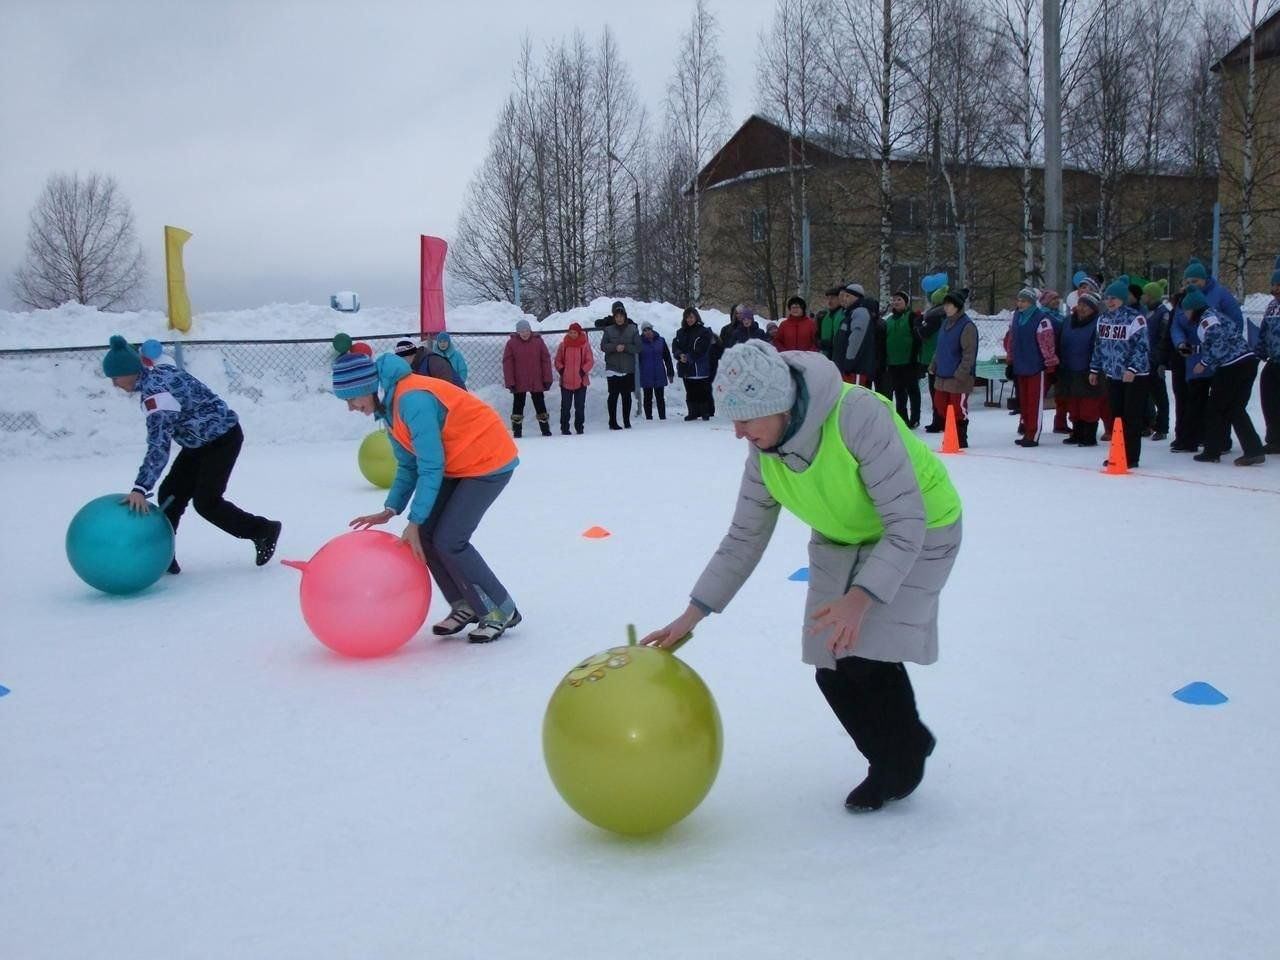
x,y
620,344
693,364
526,368
656,370
854,348
743,329
425,361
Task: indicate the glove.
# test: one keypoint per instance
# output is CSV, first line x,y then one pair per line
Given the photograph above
x,y
546,387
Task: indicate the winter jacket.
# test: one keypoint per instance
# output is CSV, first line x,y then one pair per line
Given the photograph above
x,y
1158,321
1221,301
656,369
1078,336
693,351
796,333
419,473
454,356
956,360
1121,345
626,336
429,363
574,360
732,334
901,340
927,325
904,570
179,409
854,347
1222,343
1183,333
1030,343
828,323
1268,345
526,364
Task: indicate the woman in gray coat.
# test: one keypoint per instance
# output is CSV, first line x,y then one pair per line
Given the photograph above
x,y
886,532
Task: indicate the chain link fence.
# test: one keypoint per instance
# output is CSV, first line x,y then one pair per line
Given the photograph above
x,y
42,390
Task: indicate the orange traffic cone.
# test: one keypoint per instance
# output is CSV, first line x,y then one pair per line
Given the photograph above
x,y
950,435
1117,460
596,533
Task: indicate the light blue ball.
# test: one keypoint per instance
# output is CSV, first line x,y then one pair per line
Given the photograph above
x,y
116,550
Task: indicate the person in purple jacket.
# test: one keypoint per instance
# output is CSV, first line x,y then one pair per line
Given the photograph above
x,y
656,370
526,369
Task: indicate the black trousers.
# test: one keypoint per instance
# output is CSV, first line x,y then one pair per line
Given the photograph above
x,y
199,476
539,405
698,397
1129,403
1190,402
1271,400
1228,409
937,414
623,387
651,394
905,388
1159,403
875,703
577,399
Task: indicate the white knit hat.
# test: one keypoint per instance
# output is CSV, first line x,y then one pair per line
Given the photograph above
x,y
753,381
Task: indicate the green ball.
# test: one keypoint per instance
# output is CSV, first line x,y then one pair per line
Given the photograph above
x,y
377,462
632,739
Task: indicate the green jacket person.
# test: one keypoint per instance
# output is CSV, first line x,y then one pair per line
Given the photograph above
x,y
886,533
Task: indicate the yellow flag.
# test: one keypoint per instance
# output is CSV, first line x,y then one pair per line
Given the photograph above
x,y
179,302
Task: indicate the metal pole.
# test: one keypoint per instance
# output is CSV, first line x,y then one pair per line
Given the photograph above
x,y
644,294
805,253
1052,144
1071,252
1217,235
962,274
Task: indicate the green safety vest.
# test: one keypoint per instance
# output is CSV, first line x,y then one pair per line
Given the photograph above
x,y
830,496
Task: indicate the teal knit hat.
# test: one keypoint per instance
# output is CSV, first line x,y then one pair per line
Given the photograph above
x,y
1195,271
1118,288
121,359
1194,299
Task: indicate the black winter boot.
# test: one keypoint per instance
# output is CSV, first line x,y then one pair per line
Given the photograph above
x,y
962,428
264,544
1089,434
903,782
1075,434
544,424
866,797
517,423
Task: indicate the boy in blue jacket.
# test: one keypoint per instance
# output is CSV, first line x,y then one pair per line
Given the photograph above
x,y
1226,357
180,409
1121,353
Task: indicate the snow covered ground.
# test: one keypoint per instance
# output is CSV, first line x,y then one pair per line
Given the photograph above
x,y
186,773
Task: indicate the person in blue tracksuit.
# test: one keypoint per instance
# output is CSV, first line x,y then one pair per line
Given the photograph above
x,y
180,409
1190,389
1158,321
1226,357
1268,348
1122,354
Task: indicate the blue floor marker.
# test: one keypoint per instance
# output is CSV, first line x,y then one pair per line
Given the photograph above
x,y
801,575
1200,694
3,691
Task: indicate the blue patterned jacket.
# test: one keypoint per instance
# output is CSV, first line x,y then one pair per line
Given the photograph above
x,y
179,409
1222,342
1121,345
1269,334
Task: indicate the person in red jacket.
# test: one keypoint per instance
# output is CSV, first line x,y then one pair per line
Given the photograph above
x,y
798,330
574,360
526,368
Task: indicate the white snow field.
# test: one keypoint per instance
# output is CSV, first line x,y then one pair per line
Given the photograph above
x,y
188,774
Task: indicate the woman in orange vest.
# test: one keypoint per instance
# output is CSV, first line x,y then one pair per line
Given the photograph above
x,y
453,458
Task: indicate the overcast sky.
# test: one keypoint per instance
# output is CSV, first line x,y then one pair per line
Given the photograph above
x,y
304,144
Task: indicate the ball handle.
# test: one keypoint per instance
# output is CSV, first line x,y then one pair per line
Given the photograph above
x,y
299,565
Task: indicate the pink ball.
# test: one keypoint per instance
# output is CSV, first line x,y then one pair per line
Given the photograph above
x,y
364,593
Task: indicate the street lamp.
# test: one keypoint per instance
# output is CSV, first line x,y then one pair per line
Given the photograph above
x,y
961,277
639,244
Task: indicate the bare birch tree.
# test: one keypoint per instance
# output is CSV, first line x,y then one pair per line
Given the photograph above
x,y
81,245
697,110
